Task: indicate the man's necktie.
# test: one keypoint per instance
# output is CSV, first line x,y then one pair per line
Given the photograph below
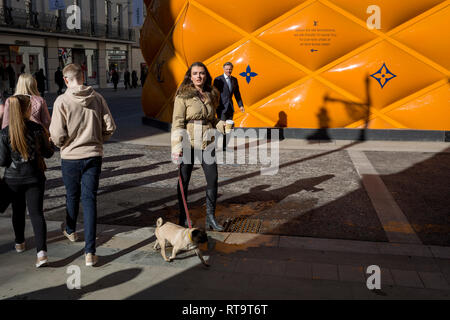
x,y
229,83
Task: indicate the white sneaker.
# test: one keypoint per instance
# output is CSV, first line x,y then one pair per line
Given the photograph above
x,y
72,237
91,259
42,261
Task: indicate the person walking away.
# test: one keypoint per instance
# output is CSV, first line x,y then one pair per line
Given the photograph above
x,y
23,145
127,77
81,123
115,78
143,76
27,85
2,79
11,77
195,111
227,86
2,106
40,79
134,79
59,80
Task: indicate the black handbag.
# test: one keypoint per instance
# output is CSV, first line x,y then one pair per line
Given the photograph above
x,y
5,196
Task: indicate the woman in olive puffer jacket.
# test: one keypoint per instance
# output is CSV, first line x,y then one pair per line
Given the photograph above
x,y
194,118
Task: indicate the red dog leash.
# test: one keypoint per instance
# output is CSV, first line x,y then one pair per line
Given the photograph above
x,y
184,198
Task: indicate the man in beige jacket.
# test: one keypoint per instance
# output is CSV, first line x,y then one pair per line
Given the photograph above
x,y
81,123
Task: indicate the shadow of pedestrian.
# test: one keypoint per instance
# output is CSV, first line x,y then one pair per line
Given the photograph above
x,y
259,193
358,111
53,236
282,120
124,157
62,292
102,238
113,173
324,124
103,260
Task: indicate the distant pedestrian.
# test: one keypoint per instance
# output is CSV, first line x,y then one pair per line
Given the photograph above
x,y
81,123
143,76
59,80
26,85
115,78
40,78
23,145
134,79
2,106
3,79
11,77
127,77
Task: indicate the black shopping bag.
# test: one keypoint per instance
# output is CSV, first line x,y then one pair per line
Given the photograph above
x,y
5,196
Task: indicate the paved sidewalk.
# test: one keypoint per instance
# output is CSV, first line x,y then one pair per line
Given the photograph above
x,y
243,266
332,210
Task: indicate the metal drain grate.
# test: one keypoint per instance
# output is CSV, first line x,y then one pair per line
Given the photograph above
x,y
243,225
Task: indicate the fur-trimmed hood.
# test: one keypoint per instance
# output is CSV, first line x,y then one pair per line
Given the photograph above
x,y
189,92
187,107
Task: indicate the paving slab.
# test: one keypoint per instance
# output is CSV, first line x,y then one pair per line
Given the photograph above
x,y
407,278
298,269
130,269
322,271
440,252
352,273
434,280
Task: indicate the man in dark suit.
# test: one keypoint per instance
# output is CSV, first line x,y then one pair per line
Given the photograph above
x,y
227,86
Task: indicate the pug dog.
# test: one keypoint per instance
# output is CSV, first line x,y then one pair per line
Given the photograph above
x,y
180,238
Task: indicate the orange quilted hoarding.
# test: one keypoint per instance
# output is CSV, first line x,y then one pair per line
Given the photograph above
x,y
355,63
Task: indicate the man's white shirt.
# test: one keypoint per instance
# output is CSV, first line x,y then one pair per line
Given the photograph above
x,y
228,80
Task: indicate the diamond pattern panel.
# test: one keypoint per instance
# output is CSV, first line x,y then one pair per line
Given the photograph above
x,y
151,39
250,14
393,12
399,71
153,92
251,121
427,112
410,74
197,43
378,123
430,37
165,12
316,35
168,70
262,62
312,105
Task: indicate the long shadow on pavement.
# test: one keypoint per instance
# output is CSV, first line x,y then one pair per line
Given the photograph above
x,y
245,272
61,292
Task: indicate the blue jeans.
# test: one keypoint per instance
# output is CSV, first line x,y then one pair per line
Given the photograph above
x,y
81,179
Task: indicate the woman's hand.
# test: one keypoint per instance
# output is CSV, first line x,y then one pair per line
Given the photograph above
x,y
176,157
221,126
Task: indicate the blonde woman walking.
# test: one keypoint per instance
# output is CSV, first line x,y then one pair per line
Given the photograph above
x,y
26,85
23,145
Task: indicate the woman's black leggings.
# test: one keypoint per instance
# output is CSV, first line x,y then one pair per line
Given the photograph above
x,y
31,196
210,171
